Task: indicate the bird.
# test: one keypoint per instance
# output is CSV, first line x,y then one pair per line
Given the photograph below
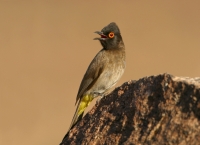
x,y
104,70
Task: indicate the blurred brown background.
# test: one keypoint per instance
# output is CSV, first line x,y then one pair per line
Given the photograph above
x,y
46,47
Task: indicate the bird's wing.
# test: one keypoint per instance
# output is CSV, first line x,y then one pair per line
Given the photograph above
x,y
92,74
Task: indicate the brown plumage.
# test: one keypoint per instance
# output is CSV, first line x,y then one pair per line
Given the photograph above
x,y
104,71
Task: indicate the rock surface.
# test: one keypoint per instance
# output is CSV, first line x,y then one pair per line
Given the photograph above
x,y
158,110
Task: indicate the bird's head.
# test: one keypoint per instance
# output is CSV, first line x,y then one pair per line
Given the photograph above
x,y
110,36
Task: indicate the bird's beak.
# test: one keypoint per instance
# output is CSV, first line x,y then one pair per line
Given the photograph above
x,y
103,37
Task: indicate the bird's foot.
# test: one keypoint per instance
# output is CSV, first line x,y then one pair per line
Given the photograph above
x,y
99,99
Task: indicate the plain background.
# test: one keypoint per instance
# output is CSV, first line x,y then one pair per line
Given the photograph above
x,y
46,47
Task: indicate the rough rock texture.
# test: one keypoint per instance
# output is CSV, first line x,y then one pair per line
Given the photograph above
x,y
156,110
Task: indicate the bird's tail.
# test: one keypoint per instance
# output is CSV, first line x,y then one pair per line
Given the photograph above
x,y
82,104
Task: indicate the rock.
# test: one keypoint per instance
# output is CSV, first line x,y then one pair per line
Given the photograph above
x,y
155,110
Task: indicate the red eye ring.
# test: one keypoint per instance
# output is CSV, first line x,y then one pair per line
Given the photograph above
x,y
111,35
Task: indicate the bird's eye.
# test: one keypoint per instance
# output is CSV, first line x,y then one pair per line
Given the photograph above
x,y
111,35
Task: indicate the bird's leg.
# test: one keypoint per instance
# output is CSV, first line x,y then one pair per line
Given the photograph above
x,y
101,96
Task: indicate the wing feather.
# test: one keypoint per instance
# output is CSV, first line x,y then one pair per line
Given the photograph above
x,y
92,74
